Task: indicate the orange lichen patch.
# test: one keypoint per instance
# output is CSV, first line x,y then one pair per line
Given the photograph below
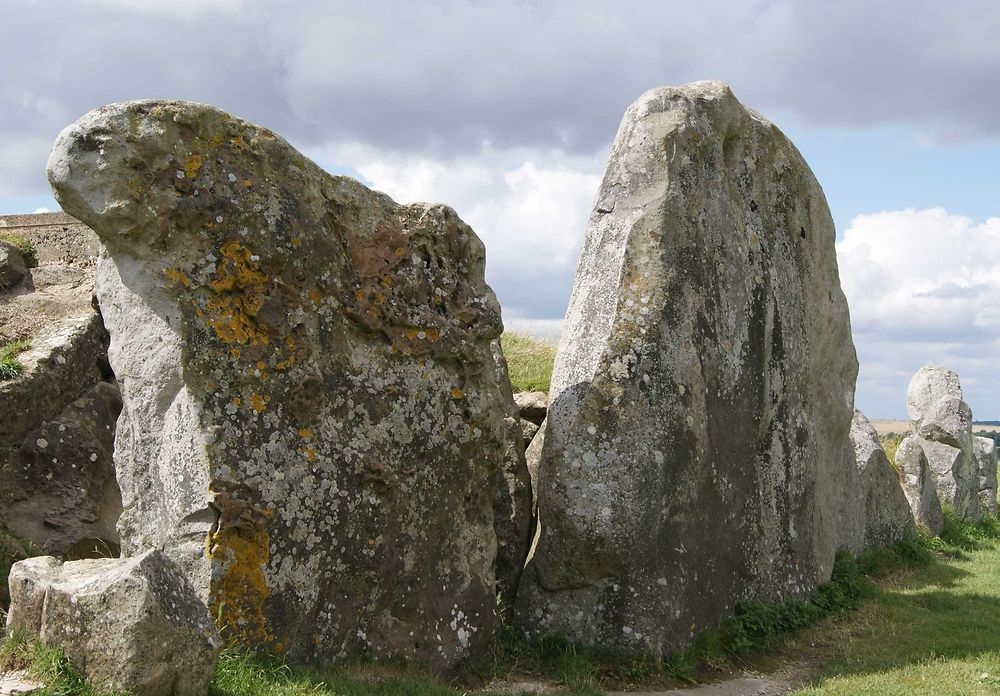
x,y
261,365
309,452
371,542
257,402
457,393
235,352
177,276
296,241
237,401
192,166
239,142
239,588
305,433
239,294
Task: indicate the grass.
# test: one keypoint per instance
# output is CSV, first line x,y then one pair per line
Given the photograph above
x,y
529,362
26,248
10,366
920,616
890,443
49,666
928,629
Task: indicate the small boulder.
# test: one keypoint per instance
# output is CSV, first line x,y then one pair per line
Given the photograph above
x,y
930,383
985,450
919,485
533,405
131,624
879,512
12,266
528,432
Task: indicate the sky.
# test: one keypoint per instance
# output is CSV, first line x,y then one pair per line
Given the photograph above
x,y
506,111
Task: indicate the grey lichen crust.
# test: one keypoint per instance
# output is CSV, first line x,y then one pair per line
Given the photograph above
x,y
313,418
697,443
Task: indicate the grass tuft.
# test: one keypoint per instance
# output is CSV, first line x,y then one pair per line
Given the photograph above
x,y
529,362
10,366
24,245
890,443
49,666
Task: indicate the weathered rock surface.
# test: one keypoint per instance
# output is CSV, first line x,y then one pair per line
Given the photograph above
x,y
919,484
512,503
528,432
12,266
19,683
131,624
532,405
985,451
697,446
59,488
878,510
307,379
942,423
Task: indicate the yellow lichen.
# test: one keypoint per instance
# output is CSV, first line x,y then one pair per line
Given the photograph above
x,y
257,402
239,588
192,166
239,294
177,276
309,452
305,433
457,393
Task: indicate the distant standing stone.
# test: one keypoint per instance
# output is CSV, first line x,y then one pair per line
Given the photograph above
x,y
879,512
697,446
308,384
986,458
919,484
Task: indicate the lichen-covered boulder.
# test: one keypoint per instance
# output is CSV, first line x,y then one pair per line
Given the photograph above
x,y
985,451
942,423
697,446
313,422
919,484
129,624
12,266
878,510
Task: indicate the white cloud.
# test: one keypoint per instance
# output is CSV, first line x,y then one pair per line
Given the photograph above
x,y
530,209
923,286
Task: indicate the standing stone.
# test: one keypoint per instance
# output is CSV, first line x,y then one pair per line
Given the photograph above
x,y
919,485
131,624
879,512
985,450
942,423
697,446
313,425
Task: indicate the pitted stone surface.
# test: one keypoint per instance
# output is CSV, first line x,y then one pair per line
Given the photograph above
x,y
878,510
942,423
133,624
308,384
697,446
919,484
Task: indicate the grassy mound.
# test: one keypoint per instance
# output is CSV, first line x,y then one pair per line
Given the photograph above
x,y
26,248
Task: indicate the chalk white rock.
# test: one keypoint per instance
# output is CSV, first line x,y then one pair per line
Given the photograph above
x,y
919,484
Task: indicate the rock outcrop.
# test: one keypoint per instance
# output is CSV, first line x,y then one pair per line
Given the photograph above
x,y
697,446
12,266
57,424
941,422
878,510
919,485
985,451
308,383
128,624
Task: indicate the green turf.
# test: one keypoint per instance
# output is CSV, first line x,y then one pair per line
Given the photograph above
x,y
10,366
529,362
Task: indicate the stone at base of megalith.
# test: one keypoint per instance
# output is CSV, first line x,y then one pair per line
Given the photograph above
x,y
696,448
313,424
131,624
919,485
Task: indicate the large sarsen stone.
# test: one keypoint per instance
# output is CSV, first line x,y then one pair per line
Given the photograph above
x,y
697,446
313,421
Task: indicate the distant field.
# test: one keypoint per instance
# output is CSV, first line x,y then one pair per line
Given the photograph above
x,y
884,427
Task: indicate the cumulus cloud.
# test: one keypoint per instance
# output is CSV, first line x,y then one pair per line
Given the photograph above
x,y
923,286
444,77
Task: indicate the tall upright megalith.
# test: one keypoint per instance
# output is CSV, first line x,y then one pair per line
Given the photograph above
x,y
697,448
313,419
